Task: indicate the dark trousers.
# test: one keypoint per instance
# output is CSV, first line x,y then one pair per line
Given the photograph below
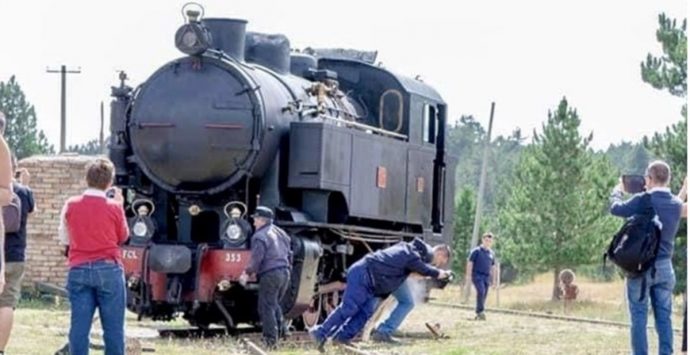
x,y
272,287
481,284
357,307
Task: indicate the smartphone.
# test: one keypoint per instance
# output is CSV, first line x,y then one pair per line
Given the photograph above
x,y
633,184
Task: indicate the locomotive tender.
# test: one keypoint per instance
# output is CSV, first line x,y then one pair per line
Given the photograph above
x,y
349,155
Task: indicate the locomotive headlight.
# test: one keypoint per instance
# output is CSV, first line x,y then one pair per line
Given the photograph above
x,y
140,229
193,38
233,232
189,39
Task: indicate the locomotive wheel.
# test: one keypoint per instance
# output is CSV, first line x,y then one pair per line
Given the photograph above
x,y
312,316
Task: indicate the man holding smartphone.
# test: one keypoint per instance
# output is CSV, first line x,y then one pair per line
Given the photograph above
x,y
94,226
658,286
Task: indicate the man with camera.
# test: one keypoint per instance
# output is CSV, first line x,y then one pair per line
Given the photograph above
x,y
377,275
93,226
657,283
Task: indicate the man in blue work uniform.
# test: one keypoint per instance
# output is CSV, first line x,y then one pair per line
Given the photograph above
x,y
480,269
271,261
657,283
378,275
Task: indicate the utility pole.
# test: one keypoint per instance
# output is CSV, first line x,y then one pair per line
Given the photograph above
x,y
100,137
63,100
480,195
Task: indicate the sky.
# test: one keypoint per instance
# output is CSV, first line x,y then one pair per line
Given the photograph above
x,y
523,55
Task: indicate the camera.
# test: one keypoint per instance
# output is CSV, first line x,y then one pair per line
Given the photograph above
x,y
110,193
633,184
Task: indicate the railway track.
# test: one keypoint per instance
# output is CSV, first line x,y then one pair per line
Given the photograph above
x,y
540,315
250,338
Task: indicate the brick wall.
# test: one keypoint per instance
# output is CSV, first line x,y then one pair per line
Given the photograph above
x,y
53,180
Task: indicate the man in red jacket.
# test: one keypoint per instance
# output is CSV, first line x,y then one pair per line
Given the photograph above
x,y
93,226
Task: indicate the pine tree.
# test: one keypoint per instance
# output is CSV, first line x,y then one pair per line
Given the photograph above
x,y
555,215
21,133
638,160
669,72
464,220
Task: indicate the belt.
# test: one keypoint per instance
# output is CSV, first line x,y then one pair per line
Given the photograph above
x,y
106,261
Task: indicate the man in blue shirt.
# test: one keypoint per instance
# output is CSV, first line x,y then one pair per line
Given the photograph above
x,y
374,276
480,269
15,247
658,285
271,262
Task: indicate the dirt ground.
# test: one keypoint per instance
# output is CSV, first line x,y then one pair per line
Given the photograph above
x,y
42,329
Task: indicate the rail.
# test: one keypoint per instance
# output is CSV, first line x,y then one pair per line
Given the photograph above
x,y
540,315
362,126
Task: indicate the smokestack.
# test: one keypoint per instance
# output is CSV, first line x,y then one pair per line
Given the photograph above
x,y
227,35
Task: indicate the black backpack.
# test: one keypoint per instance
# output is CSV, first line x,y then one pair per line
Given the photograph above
x,y
635,246
12,214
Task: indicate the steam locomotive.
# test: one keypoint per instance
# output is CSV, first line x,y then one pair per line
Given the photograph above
x,y
349,155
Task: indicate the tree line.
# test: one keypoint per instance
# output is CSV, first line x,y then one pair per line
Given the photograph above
x,y
547,199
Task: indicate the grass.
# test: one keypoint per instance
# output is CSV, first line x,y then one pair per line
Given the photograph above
x,y
41,328
598,300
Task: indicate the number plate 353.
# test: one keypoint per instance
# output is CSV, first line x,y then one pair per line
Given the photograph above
x,y
233,257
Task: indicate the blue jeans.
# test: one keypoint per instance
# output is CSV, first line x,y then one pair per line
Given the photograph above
x,y
405,304
660,291
97,285
481,283
357,307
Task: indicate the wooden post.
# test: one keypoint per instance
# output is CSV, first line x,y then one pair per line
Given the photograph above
x,y
498,284
63,71
101,143
480,195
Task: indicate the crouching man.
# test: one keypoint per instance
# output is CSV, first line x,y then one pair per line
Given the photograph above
x,y
377,275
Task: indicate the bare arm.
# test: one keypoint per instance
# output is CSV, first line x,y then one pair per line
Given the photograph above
x,y
684,211
683,193
5,173
24,177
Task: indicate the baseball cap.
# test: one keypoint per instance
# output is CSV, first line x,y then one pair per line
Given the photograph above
x,y
263,211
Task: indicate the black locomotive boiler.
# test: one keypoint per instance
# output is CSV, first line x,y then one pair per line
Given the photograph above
x,y
349,155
